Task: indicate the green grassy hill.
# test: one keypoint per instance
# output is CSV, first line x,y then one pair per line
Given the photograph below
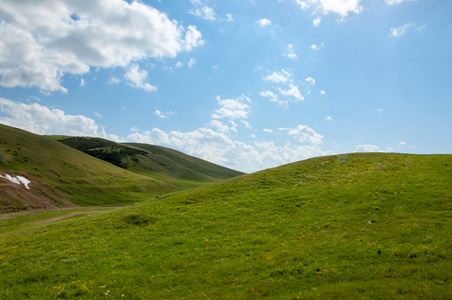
x,y
150,160
61,176
357,226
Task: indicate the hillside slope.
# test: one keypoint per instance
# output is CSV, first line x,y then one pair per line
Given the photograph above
x,y
357,226
156,161
172,163
62,176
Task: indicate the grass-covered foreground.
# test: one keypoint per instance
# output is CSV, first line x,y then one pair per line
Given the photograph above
x,y
350,226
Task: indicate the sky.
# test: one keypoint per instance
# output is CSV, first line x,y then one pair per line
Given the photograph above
x,y
246,84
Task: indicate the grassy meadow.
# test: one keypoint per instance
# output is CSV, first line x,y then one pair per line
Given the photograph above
x,y
357,226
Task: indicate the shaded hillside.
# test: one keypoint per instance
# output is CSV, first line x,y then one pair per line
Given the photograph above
x,y
150,160
177,164
62,176
114,153
357,226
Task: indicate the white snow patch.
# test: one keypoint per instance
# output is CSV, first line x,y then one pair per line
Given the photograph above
x,y
17,180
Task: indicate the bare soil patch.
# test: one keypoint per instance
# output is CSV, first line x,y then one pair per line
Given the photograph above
x,y
63,217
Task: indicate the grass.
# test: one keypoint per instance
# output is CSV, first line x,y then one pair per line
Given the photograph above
x,y
149,160
341,227
17,221
62,176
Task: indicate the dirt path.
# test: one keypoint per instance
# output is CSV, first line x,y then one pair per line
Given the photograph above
x,y
63,217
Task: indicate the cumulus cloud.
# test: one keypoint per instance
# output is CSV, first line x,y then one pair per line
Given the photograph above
x,y
264,22
229,18
368,148
217,147
42,120
292,91
305,135
394,2
316,47
205,13
310,80
396,32
191,62
39,45
285,92
271,95
164,115
232,108
316,21
136,78
341,7
291,52
282,76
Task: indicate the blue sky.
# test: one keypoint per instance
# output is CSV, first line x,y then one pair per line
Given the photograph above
x,y
244,84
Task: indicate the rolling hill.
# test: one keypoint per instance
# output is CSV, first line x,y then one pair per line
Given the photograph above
x,y
61,176
145,159
355,226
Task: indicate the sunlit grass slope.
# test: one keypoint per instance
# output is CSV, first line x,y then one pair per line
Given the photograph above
x,y
155,161
340,227
62,176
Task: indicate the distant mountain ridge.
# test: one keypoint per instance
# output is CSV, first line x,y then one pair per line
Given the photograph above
x,y
61,176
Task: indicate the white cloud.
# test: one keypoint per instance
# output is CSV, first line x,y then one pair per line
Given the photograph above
x,y
305,135
218,147
193,38
82,82
229,18
328,118
401,146
179,64
232,108
267,130
317,47
292,92
341,7
396,32
316,21
114,80
310,80
394,2
206,13
164,115
291,52
219,126
264,22
322,92
191,63
282,76
39,45
368,148
42,120
379,110
98,115
271,95
136,78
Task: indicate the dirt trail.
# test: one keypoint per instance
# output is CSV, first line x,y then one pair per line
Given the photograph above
x,y
63,217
